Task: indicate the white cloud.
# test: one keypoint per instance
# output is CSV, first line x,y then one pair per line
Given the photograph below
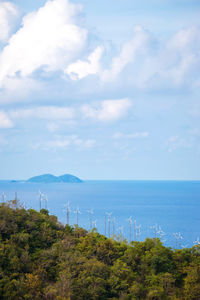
x,y
81,69
43,112
8,15
144,62
49,38
5,122
63,142
180,61
135,135
107,110
129,53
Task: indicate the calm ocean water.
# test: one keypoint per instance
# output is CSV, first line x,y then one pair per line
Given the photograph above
x,y
168,206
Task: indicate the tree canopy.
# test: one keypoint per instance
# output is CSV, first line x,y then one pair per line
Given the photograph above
x,y
40,258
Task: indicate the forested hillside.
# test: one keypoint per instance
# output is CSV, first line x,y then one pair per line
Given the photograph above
x,y
42,259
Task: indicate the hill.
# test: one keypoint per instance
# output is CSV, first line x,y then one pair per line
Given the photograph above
x,y
69,178
49,178
41,258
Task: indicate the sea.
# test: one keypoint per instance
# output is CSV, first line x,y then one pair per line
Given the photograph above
x,y
131,210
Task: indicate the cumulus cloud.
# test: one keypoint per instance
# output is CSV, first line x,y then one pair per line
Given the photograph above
x,y
135,135
146,62
8,16
43,112
49,38
5,121
81,69
107,110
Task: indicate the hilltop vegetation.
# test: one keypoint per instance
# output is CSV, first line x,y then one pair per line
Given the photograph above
x,y
42,259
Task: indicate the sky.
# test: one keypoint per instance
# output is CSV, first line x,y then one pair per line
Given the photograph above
x,y
104,89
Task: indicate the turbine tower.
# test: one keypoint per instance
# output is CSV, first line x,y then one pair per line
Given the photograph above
x,y
135,230
95,224
109,215
77,212
90,217
3,197
130,220
67,212
114,221
105,225
138,232
176,237
40,199
45,200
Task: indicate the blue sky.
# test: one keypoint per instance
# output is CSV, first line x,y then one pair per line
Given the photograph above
x,y
100,89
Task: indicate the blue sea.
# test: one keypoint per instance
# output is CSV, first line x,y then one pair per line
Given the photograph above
x,y
158,208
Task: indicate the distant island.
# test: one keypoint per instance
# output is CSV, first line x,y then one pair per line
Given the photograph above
x,y
49,178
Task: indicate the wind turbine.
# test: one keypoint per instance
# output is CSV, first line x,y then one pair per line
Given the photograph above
x,y
45,200
77,212
40,199
180,237
176,237
130,220
68,210
155,229
3,197
95,224
105,225
135,230
138,232
23,205
120,233
109,215
160,232
197,242
114,220
90,217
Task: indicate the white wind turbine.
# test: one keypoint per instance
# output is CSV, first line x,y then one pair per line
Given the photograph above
x,y
45,200
197,242
40,199
105,221
130,220
68,210
120,229
160,232
95,224
114,221
91,212
138,232
3,197
109,215
135,230
155,229
176,237
77,212
180,237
